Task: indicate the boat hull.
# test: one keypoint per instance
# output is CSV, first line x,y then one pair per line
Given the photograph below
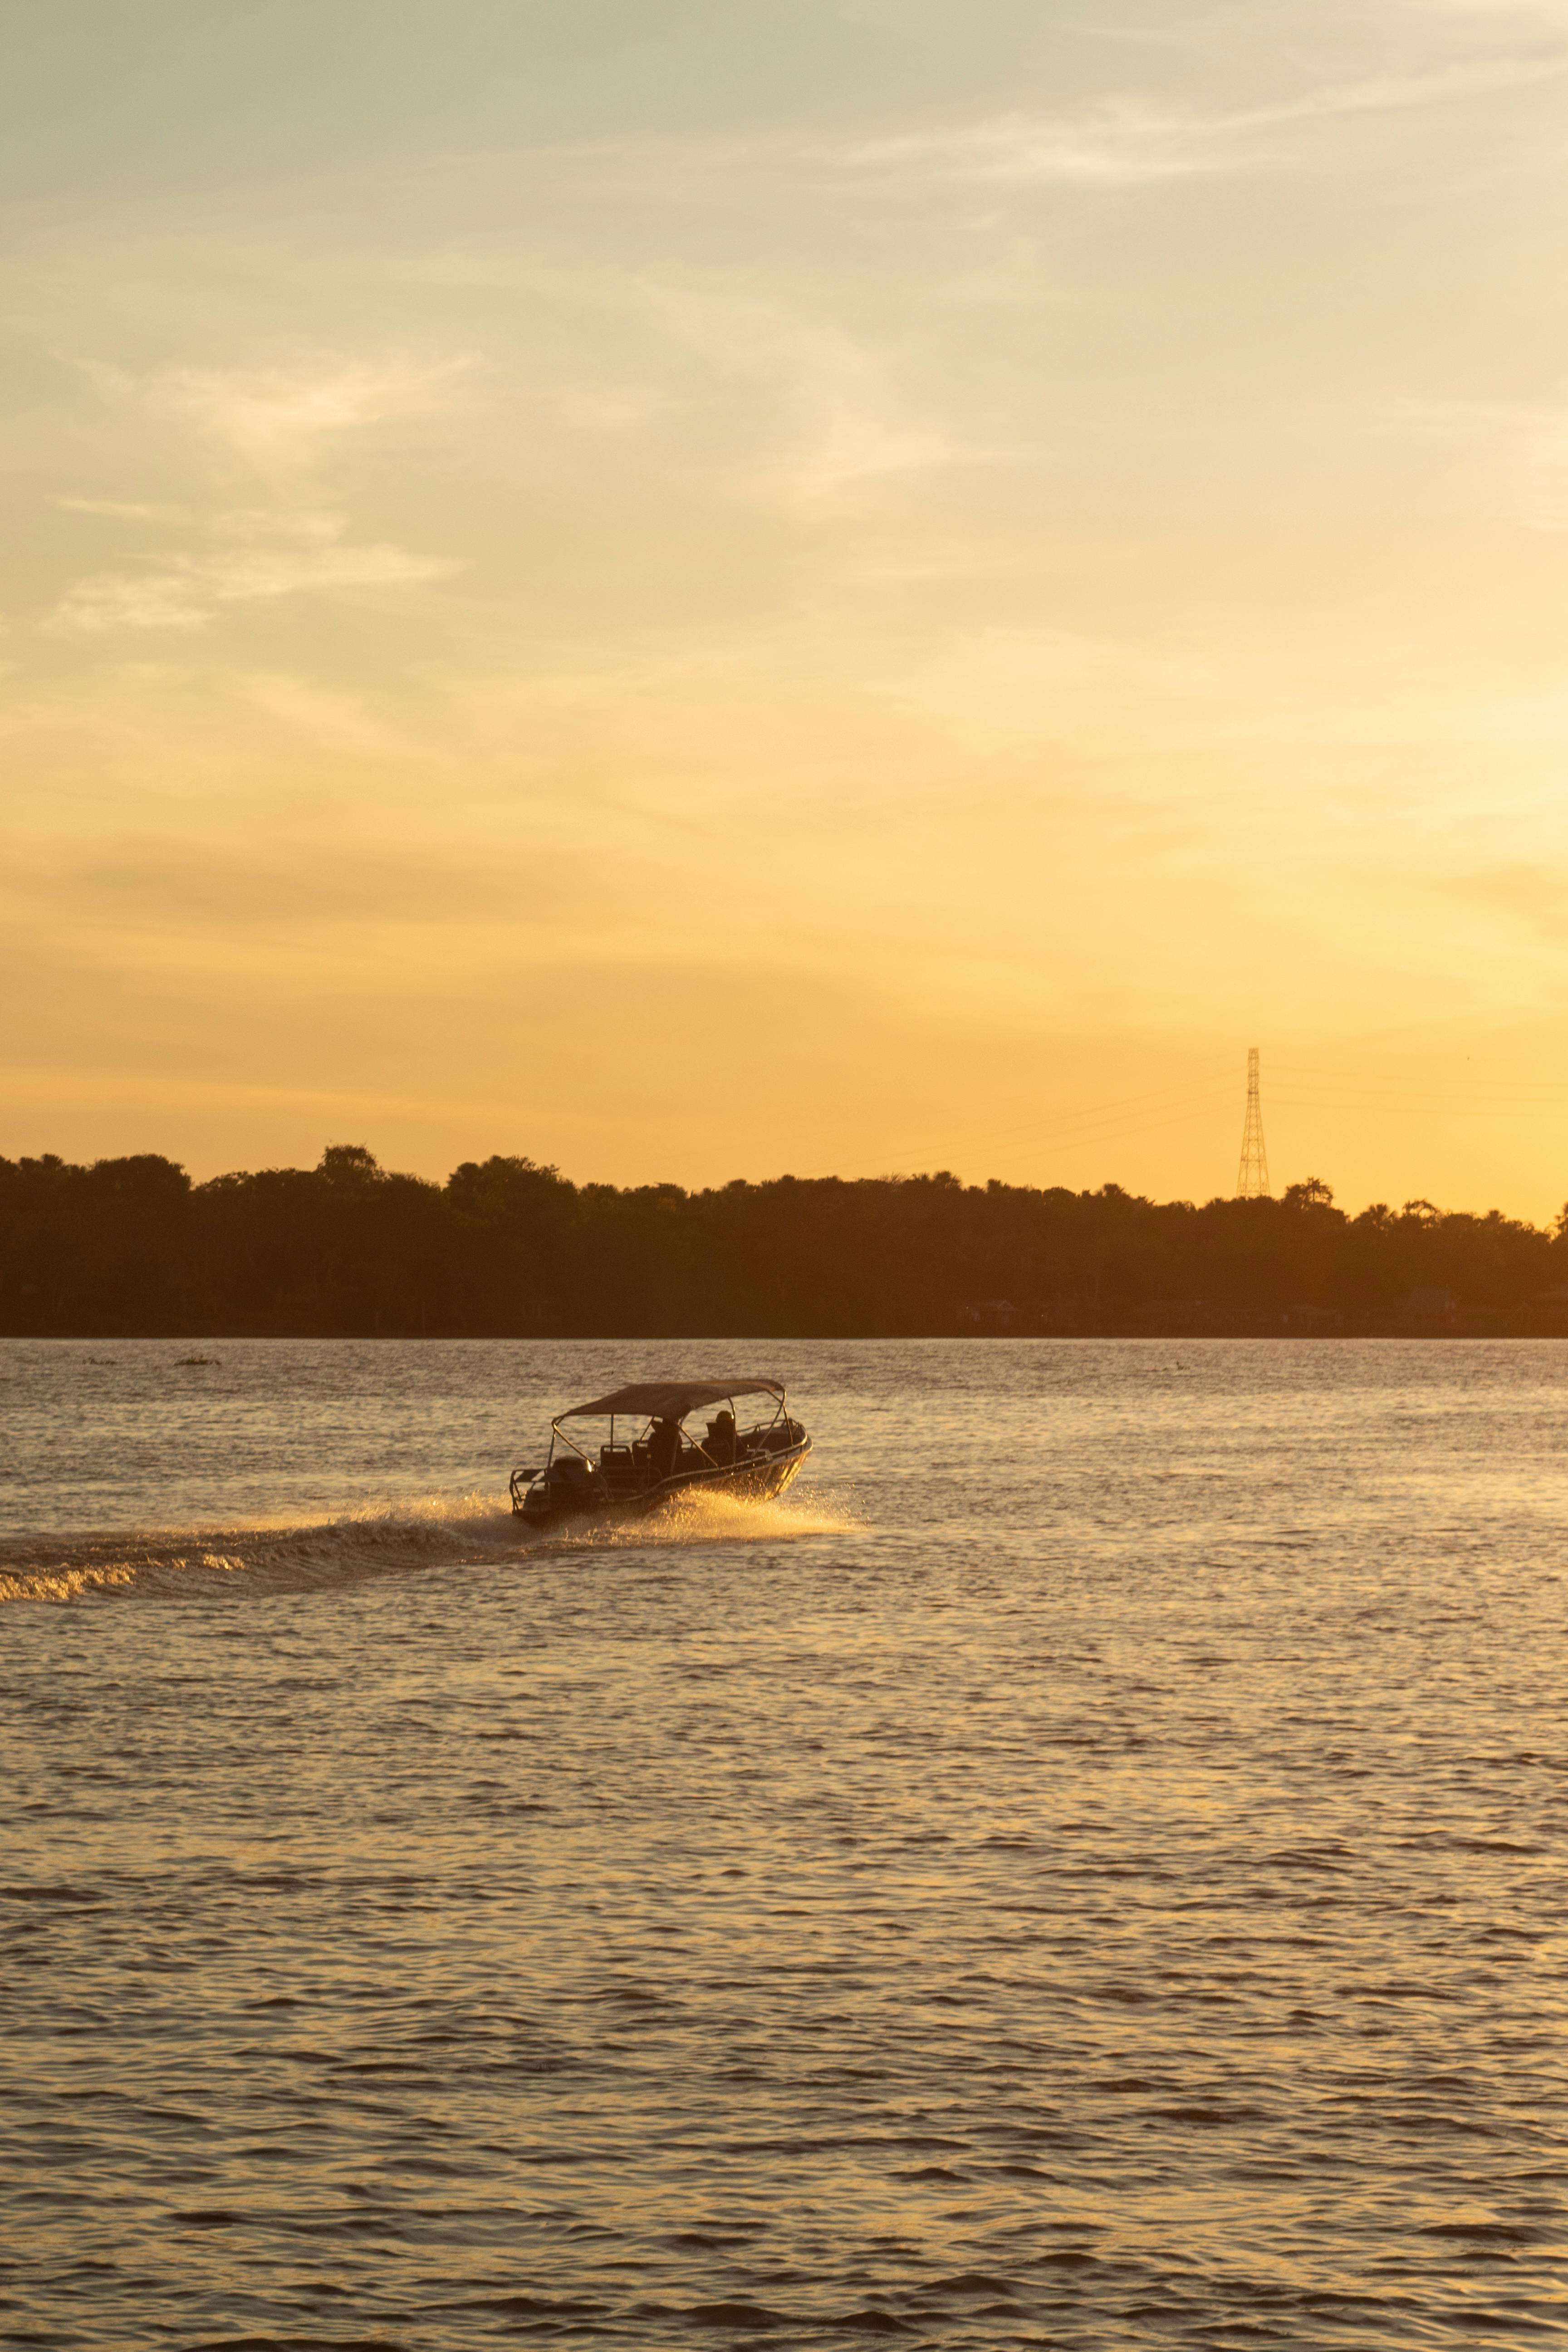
x,y
759,1479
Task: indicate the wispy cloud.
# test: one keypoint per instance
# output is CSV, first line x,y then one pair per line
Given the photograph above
x,y
1127,142
186,590
121,510
837,423
276,417
1545,451
111,599
1519,450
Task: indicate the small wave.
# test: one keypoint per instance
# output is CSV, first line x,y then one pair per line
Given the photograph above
x,y
369,1540
281,1554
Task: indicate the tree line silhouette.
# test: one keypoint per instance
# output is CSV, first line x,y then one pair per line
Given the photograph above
x,y
508,1248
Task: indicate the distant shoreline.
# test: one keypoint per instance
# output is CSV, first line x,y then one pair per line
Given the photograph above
x,y
508,1249
1139,1334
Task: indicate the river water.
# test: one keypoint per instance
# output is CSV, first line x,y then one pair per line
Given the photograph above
x,y
1085,1869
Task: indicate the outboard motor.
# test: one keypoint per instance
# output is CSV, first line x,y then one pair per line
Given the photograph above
x,y
572,1480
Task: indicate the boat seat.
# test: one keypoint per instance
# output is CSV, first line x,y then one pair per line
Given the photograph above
x,y
619,1466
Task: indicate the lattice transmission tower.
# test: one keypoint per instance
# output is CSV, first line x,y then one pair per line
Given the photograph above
x,y
1252,1176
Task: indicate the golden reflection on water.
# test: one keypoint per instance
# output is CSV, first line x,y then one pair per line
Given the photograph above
x,y
1099,1885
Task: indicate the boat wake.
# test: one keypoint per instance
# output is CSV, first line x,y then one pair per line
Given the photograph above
x,y
406,1534
694,1516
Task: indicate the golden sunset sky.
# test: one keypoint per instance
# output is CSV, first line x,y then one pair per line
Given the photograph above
x,y
701,590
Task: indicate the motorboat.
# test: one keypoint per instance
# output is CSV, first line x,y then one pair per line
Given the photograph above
x,y
644,1457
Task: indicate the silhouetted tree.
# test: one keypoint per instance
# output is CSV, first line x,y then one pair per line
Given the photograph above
x,y
509,1246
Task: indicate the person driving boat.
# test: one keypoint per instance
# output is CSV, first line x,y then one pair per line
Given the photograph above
x,y
664,1447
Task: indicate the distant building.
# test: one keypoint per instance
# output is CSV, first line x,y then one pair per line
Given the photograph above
x,y
1435,1307
1318,1322
988,1315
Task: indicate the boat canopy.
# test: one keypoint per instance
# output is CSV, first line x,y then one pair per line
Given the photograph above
x,y
672,1399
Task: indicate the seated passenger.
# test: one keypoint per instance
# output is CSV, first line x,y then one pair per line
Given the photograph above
x,y
719,1442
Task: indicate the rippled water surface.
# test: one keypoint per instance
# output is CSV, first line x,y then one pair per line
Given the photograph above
x,y
1085,1869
